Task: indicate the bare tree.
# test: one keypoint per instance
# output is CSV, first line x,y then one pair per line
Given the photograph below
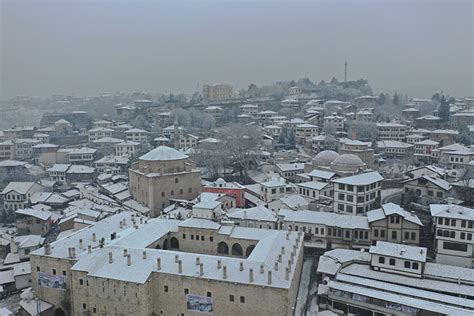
x,y
211,157
242,142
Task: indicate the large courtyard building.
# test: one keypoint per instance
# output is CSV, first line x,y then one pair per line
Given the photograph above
x,y
161,175
128,265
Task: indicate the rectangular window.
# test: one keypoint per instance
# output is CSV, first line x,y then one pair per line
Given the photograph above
x,y
165,288
231,298
413,236
84,306
54,271
192,237
184,236
407,235
186,291
376,233
242,299
394,234
209,294
454,246
81,282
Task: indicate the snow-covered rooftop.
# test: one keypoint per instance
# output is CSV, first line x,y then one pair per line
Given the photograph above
x,y
399,251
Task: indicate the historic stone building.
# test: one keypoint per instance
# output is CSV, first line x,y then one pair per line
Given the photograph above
x,y
161,175
127,264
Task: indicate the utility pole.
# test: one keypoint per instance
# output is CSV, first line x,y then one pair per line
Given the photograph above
x,y
345,72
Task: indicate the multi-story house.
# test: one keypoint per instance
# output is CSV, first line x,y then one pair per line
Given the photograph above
x,y
426,151
315,190
393,224
274,189
217,92
395,149
7,150
334,121
357,194
327,230
304,132
17,194
127,148
137,135
99,132
454,229
391,131
426,189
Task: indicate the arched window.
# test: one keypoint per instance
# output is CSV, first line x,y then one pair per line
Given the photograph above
x,y
237,250
222,248
174,243
165,244
172,192
249,250
176,180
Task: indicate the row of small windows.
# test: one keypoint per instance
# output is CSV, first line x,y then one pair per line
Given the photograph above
x,y
54,271
181,191
360,199
452,222
360,188
407,264
452,234
197,237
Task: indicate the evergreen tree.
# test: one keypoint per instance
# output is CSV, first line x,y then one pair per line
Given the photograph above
x,y
283,135
334,80
291,139
395,99
443,110
381,99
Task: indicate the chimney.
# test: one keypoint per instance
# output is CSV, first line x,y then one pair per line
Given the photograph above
x,y
129,260
89,249
121,225
269,277
73,252
219,264
176,258
201,269
250,275
276,265
81,244
158,263
125,252
287,274
289,264
47,249
241,266
224,272
279,258
282,250
93,237
198,261
69,252
144,255
180,266
262,268
141,220
124,221
292,258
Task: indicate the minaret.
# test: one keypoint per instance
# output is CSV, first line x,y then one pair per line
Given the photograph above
x,y
176,132
345,72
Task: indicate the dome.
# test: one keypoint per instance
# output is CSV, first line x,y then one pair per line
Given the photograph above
x,y
348,160
163,153
326,157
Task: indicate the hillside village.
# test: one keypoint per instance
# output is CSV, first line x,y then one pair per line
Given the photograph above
x,y
326,198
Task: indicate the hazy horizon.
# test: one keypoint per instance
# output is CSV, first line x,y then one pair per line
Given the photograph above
x,y
86,47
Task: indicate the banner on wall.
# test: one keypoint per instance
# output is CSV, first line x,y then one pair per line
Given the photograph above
x,y
52,281
201,304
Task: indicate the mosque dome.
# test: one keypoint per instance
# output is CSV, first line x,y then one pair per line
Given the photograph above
x,y
325,158
163,153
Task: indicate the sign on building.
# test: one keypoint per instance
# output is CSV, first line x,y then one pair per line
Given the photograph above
x,y
52,281
198,303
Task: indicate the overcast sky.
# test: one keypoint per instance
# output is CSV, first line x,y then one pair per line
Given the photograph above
x,y
87,47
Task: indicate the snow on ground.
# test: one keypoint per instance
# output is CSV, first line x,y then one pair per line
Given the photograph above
x,y
304,287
